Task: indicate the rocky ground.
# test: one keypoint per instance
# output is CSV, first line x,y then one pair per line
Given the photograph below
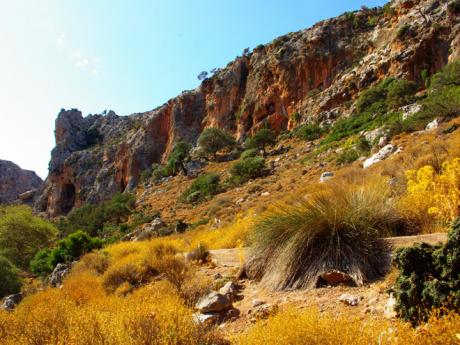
x,y
251,302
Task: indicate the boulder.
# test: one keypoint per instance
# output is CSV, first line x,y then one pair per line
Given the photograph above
x,y
409,110
349,299
213,302
10,302
229,290
206,318
379,156
326,176
257,302
57,276
27,195
432,125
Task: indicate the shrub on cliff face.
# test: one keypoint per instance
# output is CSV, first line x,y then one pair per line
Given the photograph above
x,y
308,132
66,250
22,234
263,138
10,282
203,187
213,140
430,278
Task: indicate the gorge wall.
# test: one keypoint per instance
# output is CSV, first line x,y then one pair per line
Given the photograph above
x,y
309,75
17,183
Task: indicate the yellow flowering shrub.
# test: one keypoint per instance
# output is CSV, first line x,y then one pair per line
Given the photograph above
x,y
434,195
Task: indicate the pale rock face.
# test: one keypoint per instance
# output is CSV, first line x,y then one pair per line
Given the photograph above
x,y
389,310
349,300
326,176
214,302
384,153
432,125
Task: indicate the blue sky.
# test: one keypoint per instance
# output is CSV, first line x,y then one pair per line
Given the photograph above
x,y
129,56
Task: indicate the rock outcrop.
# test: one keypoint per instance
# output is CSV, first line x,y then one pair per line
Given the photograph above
x,y
16,183
311,75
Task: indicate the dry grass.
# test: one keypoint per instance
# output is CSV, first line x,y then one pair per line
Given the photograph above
x,y
335,228
309,327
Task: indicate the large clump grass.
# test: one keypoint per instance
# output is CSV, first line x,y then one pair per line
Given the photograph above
x,y
336,228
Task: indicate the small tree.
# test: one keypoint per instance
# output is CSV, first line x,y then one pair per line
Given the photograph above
x,y
179,154
213,140
22,234
202,75
9,279
263,138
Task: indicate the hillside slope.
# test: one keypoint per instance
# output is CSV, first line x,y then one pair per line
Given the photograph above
x,y
310,75
14,181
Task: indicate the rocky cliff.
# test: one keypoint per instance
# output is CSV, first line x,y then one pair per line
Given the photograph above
x,y
309,75
16,183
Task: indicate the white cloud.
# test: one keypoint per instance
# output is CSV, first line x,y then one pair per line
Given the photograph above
x,y
61,40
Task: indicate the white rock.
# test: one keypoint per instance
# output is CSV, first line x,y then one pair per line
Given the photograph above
x,y
349,300
389,310
379,156
326,176
383,141
265,194
410,110
432,125
213,302
257,302
206,318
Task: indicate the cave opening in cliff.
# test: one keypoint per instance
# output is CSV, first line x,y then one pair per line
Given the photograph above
x,y
67,198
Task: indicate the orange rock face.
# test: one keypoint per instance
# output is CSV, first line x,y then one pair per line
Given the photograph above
x,y
315,74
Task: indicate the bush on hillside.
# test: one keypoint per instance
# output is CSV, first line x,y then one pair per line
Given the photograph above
x,y
176,159
249,153
10,282
429,278
94,218
66,250
213,140
337,228
203,187
359,149
263,138
246,169
400,93
22,234
308,132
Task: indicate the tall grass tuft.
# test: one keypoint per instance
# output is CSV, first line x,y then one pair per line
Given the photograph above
x,y
336,228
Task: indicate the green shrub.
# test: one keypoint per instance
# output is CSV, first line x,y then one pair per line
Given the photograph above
x,y
403,31
203,187
308,132
176,159
338,228
400,93
249,153
425,75
246,169
429,278
213,140
361,148
22,234
66,250
454,7
296,117
263,138
10,282
92,218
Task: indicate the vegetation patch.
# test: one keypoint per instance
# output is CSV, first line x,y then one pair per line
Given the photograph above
x,y
430,278
308,132
213,140
246,169
204,187
10,281
337,228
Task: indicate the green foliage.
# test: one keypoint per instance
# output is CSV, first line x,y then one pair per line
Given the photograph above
x,y
10,282
296,117
425,75
429,278
93,137
93,218
308,132
246,169
263,138
401,92
202,188
213,140
176,159
146,175
249,153
361,148
443,100
454,7
66,250
403,31
22,234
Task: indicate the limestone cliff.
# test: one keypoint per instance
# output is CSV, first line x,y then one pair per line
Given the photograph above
x,y
315,74
16,183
